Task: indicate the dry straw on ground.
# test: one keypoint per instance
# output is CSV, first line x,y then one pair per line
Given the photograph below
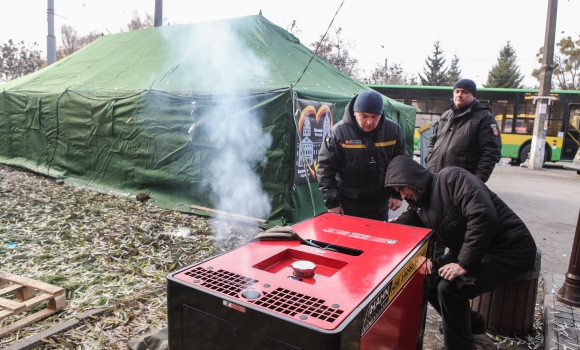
x,y
105,250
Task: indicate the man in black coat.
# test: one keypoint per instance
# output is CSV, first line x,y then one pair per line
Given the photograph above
x,y
353,160
466,136
489,245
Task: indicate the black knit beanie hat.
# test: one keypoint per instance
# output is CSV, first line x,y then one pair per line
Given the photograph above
x,y
369,102
466,84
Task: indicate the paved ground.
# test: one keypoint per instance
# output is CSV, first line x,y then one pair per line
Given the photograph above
x,y
562,321
548,201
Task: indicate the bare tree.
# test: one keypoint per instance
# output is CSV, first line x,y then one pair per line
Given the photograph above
x,y
138,23
567,64
292,28
334,49
394,75
19,60
378,76
72,42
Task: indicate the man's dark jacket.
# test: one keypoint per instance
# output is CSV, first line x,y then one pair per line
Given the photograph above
x,y
470,140
347,150
470,219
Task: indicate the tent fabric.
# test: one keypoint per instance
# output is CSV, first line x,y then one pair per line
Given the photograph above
x,y
153,111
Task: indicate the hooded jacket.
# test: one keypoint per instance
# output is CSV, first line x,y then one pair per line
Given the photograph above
x,y
469,140
359,158
470,219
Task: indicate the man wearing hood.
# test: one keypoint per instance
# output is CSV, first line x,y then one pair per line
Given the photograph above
x,y
466,136
489,245
353,160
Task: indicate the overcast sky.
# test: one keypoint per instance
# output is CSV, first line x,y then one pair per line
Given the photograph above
x,y
401,31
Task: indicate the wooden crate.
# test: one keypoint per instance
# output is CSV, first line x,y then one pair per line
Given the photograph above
x,y
29,293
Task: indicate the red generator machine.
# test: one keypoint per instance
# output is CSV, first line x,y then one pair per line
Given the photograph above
x,y
348,283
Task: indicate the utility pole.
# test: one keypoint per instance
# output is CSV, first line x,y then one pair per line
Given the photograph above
x,y
537,150
158,13
50,38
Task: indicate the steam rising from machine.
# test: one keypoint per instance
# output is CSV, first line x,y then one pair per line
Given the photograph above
x,y
232,126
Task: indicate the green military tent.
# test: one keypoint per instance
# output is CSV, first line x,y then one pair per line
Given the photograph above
x,y
224,116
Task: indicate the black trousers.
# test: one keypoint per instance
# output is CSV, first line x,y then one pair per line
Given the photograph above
x,y
452,302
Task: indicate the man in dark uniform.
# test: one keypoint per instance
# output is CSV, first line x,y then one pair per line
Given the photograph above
x,y
466,136
489,245
353,160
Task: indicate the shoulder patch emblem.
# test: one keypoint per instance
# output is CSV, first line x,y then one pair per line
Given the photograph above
x,y
494,130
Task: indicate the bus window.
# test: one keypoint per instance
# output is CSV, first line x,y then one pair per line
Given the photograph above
x,y
553,127
503,112
572,137
429,109
420,105
441,105
423,119
507,124
429,105
575,115
555,119
525,118
527,115
575,118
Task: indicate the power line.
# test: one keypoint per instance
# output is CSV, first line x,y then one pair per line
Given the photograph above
x,y
320,43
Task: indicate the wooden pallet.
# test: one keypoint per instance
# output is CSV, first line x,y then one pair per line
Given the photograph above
x,y
29,293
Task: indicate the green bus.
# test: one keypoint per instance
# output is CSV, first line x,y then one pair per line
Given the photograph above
x,y
514,110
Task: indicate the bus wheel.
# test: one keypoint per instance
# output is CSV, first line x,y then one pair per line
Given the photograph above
x,y
525,153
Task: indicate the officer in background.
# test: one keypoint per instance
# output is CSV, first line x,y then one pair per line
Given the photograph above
x,y
466,136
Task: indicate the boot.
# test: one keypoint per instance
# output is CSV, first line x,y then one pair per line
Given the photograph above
x,y
478,325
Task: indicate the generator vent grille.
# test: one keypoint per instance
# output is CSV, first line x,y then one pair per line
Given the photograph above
x,y
221,281
292,303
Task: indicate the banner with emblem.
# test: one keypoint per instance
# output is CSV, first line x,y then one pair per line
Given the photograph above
x,y
313,120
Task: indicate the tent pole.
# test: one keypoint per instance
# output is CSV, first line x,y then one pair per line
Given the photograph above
x,y
228,214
